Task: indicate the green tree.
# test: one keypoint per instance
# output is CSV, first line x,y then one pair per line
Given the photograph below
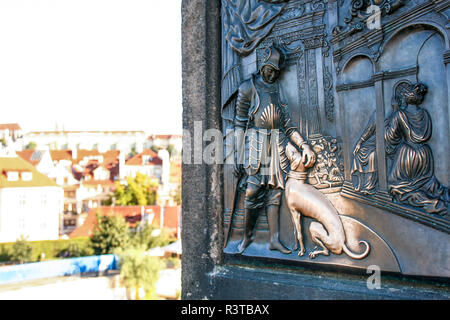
x,y
145,237
133,152
73,250
141,190
155,148
177,196
172,150
31,146
110,233
139,270
21,251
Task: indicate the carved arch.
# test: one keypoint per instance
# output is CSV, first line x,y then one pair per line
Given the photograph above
x,y
353,59
343,62
426,24
356,55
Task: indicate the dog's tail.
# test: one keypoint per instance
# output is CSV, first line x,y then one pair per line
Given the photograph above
x,y
354,255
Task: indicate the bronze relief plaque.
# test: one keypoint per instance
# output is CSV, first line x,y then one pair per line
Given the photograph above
x,y
336,128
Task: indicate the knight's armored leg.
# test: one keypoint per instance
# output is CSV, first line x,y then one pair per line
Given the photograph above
x,y
249,224
272,218
250,215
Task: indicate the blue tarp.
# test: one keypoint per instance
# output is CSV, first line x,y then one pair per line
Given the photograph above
x,y
57,268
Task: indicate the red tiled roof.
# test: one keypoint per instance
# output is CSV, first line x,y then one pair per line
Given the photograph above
x,y
81,153
157,161
162,136
103,183
58,155
109,163
113,154
170,217
10,126
107,156
132,215
28,156
137,160
149,152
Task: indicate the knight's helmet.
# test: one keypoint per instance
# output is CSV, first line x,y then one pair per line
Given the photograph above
x,y
273,57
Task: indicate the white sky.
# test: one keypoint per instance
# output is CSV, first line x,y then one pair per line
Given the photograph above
x,y
91,64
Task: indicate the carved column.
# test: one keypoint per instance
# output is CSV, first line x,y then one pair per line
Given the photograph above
x,y
312,116
320,87
302,93
380,116
344,130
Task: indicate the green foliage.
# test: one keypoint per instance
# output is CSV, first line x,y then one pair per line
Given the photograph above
x,y
141,190
177,196
139,270
79,247
133,152
21,251
76,249
145,237
108,201
171,150
52,249
155,148
31,146
110,233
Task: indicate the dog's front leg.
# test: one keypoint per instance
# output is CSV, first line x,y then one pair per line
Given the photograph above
x,y
296,217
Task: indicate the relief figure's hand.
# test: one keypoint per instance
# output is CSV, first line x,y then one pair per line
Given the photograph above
x,y
308,157
357,148
238,170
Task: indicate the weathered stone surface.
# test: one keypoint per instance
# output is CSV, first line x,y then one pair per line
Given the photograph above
x,y
202,186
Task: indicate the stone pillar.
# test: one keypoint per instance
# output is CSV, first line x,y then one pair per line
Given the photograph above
x,y
202,184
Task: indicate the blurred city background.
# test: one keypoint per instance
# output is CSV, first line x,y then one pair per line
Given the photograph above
x,y
90,149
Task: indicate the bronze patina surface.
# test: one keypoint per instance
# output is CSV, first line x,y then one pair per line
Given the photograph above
x,y
336,128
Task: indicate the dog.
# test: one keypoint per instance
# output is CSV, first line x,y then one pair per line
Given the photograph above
x,y
303,199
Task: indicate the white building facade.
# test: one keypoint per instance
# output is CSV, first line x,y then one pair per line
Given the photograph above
x,y
32,212
31,204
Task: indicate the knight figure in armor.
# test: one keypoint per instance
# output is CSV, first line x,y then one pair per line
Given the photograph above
x,y
262,115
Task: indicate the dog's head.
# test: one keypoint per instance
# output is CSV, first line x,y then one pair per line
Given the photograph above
x,y
295,157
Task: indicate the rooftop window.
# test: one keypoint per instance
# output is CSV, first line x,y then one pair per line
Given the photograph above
x,y
13,175
27,176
